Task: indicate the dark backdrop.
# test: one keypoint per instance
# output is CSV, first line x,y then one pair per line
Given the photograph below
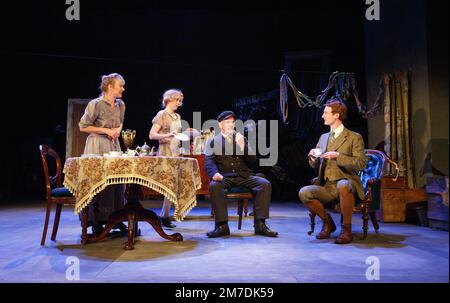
x,y
213,54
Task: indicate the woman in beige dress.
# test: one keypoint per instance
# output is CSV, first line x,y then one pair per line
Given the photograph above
x,y
166,124
103,121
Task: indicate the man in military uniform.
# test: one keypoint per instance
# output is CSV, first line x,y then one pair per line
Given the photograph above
x,y
339,157
227,160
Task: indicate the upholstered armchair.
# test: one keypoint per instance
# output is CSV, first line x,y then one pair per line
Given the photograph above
x,y
371,178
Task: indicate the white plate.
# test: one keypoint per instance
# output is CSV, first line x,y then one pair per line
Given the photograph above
x,y
182,137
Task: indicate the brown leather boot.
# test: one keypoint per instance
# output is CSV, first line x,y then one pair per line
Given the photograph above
x,y
328,227
346,234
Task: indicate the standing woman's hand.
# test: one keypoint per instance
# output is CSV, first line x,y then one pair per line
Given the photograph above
x,y
116,132
109,132
168,137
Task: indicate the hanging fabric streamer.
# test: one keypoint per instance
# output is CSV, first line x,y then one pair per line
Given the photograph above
x,y
283,98
343,84
376,107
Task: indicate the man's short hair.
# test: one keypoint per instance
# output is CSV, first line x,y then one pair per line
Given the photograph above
x,y
338,107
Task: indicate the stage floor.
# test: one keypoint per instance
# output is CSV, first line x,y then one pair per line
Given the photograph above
x,y
406,253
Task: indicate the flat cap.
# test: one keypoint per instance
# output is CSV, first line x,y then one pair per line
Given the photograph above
x,y
225,115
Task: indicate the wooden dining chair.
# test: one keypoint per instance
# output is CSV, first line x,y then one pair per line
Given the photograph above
x,y
242,195
55,192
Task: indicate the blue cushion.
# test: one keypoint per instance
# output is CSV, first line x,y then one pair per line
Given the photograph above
x,y
238,190
60,192
373,169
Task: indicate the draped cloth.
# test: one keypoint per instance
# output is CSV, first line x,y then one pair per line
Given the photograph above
x,y
397,123
177,178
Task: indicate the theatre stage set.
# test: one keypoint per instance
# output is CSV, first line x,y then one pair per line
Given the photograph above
x,y
386,60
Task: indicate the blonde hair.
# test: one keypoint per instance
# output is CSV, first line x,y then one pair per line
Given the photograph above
x,y
109,79
169,94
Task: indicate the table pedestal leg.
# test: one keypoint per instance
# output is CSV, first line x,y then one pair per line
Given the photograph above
x,y
134,212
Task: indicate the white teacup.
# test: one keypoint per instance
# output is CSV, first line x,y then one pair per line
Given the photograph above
x,y
316,152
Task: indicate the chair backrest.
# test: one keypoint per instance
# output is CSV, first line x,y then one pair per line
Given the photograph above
x,y
55,180
374,168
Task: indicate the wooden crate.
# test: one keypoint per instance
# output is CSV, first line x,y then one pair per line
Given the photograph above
x,y
389,182
394,198
392,206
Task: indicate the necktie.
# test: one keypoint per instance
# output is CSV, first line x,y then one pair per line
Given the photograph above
x,y
229,139
332,137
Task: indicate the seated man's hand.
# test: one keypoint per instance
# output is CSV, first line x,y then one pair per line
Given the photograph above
x,y
217,177
312,155
330,155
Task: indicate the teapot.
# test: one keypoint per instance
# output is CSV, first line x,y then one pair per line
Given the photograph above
x,y
145,150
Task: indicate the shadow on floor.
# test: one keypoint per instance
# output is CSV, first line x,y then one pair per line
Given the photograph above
x,y
231,218
112,249
372,241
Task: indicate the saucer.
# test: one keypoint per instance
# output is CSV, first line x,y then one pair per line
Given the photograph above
x,y
181,137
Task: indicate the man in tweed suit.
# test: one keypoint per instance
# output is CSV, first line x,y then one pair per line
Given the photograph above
x,y
227,160
338,156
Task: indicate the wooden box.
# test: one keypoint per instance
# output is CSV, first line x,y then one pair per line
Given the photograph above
x,y
392,200
392,206
395,196
389,182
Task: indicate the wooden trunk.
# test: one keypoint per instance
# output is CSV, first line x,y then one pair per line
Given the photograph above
x,y
394,198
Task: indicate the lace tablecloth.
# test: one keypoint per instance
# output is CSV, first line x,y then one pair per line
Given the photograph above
x,y
177,178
